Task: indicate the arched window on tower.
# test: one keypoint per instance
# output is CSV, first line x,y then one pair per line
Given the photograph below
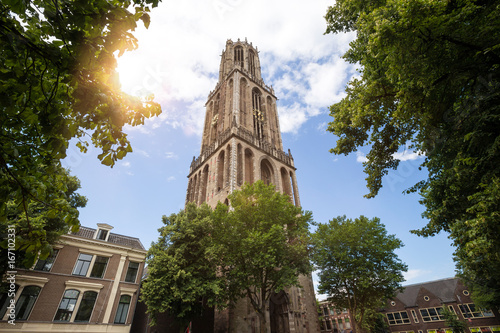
x,y
270,120
248,166
285,183
239,165
266,172
243,101
251,63
238,56
228,165
258,114
220,171
204,184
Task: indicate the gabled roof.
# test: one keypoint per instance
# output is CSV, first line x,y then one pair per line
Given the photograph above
x,y
443,289
122,240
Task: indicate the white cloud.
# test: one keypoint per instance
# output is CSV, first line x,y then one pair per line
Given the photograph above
x,y
170,179
171,155
360,157
413,274
178,57
402,156
407,156
126,164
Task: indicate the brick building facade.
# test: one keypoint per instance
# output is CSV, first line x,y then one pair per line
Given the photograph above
x,y
334,320
242,143
418,309
89,284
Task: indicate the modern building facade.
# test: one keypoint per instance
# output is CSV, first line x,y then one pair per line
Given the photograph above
x,y
89,284
242,143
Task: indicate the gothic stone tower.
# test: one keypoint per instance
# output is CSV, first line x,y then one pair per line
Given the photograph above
x,y
242,143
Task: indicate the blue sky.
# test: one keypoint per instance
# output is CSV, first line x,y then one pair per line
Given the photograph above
x,y
178,60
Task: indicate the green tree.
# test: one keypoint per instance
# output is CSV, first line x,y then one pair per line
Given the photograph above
x,y
182,269
262,243
358,269
58,82
429,81
452,321
38,225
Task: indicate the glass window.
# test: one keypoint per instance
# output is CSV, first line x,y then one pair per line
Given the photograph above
x,y
83,264
67,305
101,234
26,301
470,311
414,315
398,318
328,325
133,267
46,264
347,323
122,311
325,311
341,324
86,306
431,314
5,298
99,267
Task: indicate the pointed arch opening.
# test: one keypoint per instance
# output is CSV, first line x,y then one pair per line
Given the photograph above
x,y
285,181
238,56
266,172
251,62
239,164
243,101
249,166
258,113
221,159
204,184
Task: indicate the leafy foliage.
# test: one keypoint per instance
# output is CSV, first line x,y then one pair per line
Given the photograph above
x,y
429,79
262,243
38,225
452,321
181,267
358,269
58,81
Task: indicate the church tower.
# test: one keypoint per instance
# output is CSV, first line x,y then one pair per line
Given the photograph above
x,y
242,143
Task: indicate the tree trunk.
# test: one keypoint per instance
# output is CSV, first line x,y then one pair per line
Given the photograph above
x,y
262,320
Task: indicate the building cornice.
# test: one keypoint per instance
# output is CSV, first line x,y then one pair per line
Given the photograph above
x,y
99,245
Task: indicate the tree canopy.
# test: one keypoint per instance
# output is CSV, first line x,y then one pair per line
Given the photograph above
x,y
358,269
58,82
182,268
429,81
38,225
262,243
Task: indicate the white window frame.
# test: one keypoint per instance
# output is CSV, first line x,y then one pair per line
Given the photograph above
x,y
23,281
81,287
94,255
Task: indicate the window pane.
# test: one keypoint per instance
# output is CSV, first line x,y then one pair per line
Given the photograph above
x,y
86,306
46,264
67,305
122,311
5,300
99,267
133,267
82,265
26,301
101,234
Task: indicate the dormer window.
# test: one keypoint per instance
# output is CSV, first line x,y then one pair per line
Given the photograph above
x,y
102,232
